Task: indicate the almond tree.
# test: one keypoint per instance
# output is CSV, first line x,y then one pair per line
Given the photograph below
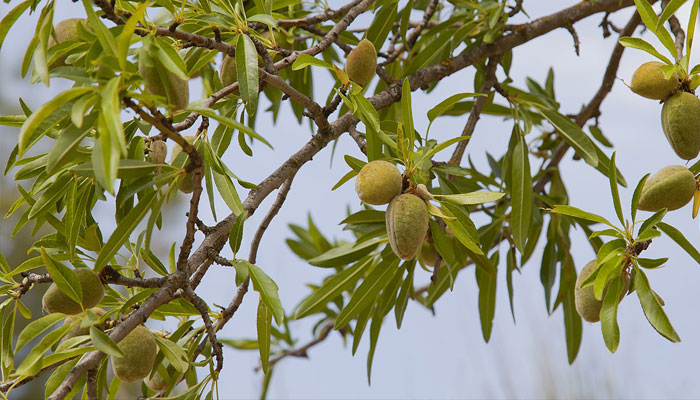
x,y
110,132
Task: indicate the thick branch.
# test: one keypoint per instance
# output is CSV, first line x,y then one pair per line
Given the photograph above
x,y
140,316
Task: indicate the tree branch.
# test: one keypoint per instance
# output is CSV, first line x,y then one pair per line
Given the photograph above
x,y
302,351
201,306
479,103
593,107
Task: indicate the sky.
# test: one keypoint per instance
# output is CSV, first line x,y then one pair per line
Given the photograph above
x,y
444,355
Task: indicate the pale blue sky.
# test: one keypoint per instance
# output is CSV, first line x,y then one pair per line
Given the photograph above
x,y
444,356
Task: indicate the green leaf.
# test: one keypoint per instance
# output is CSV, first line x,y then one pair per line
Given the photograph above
x,y
572,321
63,277
368,114
641,44
228,193
521,192
405,292
235,237
247,69
651,263
572,134
124,229
652,307
365,294
365,217
650,223
105,157
36,328
442,146
446,105
104,36
110,104
267,288
11,17
612,174
264,328
635,196
678,237
124,41
382,24
104,343
647,13
690,32
32,363
463,228
28,134
332,288
668,11
608,314
406,109
482,196
304,60
345,253
374,329
487,300
578,213
50,197
232,123
169,58
598,135
67,142
152,261
175,354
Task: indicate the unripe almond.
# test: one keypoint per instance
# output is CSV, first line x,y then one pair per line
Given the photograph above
x,y
187,185
228,73
587,306
158,150
77,330
671,188
361,63
406,224
161,81
428,254
680,120
55,300
378,182
651,82
140,349
64,31
157,383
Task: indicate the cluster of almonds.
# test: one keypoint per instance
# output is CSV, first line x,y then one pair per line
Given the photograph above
x,y
671,187
380,182
139,346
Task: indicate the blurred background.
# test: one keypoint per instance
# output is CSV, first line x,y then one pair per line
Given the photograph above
x,y
441,355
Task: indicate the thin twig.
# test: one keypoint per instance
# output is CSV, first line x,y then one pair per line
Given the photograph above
x,y
359,139
315,19
201,306
302,351
574,35
489,80
677,31
516,8
593,107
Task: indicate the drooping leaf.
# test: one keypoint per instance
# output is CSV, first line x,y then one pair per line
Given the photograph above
x,y
652,307
268,289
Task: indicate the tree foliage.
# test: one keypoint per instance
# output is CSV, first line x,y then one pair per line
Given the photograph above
x,y
129,62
